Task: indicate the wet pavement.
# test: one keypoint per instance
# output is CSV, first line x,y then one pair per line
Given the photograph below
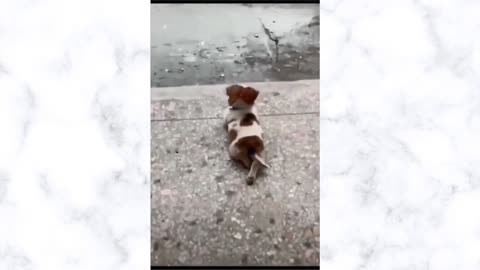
x,y
233,43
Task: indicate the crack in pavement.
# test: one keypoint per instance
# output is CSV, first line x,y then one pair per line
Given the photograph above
x,y
272,37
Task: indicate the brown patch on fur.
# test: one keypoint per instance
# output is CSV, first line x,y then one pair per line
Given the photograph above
x,y
249,143
234,89
248,119
247,94
232,135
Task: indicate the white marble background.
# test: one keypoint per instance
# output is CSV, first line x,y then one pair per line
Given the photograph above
x,y
400,134
74,134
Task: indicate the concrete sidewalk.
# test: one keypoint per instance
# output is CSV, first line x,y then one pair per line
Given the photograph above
x,y
203,213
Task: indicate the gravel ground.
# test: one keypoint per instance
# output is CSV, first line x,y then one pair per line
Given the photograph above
x,y
203,213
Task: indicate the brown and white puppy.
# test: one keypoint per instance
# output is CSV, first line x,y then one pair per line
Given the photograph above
x,y
244,131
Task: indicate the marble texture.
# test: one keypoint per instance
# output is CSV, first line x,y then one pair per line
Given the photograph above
x,y
74,139
399,133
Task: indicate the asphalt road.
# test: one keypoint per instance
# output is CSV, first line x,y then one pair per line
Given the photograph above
x,y
226,43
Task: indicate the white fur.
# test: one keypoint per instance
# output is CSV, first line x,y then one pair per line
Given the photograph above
x,y
242,131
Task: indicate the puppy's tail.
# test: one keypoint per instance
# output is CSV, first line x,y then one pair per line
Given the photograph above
x,y
254,156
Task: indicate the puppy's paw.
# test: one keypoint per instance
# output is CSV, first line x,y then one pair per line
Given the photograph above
x,y
250,180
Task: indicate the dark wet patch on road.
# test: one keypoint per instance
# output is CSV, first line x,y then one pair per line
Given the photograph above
x,y
246,59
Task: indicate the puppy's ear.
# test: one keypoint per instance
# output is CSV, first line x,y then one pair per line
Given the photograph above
x,y
234,90
249,95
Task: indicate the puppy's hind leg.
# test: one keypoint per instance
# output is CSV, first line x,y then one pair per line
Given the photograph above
x,y
238,155
252,174
246,161
257,164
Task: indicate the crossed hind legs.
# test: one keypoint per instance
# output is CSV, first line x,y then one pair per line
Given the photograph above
x,y
254,165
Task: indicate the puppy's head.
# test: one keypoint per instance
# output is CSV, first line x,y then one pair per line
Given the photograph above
x,y
239,96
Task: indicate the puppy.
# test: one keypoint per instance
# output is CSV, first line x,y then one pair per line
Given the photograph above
x,y
244,131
